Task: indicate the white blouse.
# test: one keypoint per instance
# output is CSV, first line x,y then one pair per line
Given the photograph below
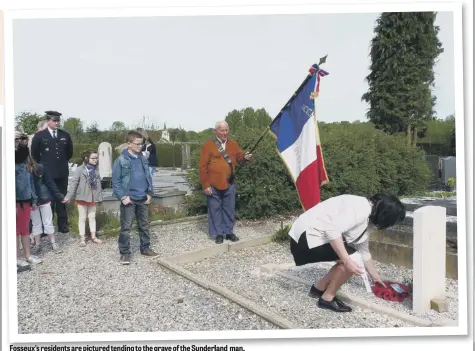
x,y
343,215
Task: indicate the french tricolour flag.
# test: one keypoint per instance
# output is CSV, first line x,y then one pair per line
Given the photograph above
x,y
298,141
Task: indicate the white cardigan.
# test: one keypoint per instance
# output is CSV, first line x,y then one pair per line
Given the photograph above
x,y
343,215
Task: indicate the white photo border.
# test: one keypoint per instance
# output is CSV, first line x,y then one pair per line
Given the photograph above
x,y
8,223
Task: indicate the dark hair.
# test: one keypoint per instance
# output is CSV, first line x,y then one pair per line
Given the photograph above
x,y
387,210
32,165
132,135
86,154
21,154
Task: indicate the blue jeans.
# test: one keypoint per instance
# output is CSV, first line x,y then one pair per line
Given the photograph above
x,y
221,211
139,210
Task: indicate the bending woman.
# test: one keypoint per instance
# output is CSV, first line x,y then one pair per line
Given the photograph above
x,y
333,230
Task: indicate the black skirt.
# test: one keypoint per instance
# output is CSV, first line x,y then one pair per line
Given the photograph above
x,y
324,253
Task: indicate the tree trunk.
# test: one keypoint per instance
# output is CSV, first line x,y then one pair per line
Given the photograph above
x,y
409,135
414,138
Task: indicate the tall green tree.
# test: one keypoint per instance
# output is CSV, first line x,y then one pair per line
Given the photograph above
x,y
93,132
118,126
74,127
28,122
403,52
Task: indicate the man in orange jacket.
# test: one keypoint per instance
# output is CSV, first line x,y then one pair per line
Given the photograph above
x,y
218,161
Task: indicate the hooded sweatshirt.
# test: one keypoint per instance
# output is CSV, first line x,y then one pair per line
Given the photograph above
x,y
138,178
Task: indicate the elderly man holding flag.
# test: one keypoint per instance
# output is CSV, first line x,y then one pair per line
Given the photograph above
x,y
218,160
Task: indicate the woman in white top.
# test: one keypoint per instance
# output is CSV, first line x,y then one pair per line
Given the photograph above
x,y
336,228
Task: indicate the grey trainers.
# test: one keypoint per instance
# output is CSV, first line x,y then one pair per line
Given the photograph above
x,y
56,248
34,260
125,259
22,266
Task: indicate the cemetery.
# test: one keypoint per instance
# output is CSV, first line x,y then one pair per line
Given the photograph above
x,y
404,144
251,284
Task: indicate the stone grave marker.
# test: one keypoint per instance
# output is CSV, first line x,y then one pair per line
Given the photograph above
x,y
105,161
449,168
429,257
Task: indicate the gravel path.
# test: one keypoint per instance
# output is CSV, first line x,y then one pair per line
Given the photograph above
x,y
355,287
240,272
180,238
87,290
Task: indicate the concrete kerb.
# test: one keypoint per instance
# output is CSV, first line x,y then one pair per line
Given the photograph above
x,y
160,223
357,301
273,268
173,262
199,255
230,295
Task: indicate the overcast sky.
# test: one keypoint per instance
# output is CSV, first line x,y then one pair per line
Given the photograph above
x,y
192,71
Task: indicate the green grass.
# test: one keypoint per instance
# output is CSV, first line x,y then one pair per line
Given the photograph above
x,y
282,235
108,223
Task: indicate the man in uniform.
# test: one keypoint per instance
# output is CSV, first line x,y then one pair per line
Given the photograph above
x,y
53,148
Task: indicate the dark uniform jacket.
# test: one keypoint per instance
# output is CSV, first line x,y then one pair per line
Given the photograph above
x,y
51,153
152,158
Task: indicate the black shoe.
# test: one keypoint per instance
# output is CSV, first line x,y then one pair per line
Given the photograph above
x,y
20,269
149,252
232,237
334,305
315,293
219,239
125,259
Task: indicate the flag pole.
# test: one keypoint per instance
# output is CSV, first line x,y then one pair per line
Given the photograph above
x,y
309,75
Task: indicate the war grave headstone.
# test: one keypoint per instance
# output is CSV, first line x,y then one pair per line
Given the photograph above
x,y
105,164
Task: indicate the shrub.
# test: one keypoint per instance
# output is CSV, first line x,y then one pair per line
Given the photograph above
x,y
168,155
264,188
359,160
105,220
365,161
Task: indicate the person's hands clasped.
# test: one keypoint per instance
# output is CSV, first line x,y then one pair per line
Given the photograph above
x,y
208,191
353,266
126,201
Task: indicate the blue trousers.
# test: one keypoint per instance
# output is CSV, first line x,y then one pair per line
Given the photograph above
x,y
221,211
139,211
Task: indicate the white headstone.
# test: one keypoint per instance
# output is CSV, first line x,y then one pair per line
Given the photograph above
x,y
105,160
165,135
428,256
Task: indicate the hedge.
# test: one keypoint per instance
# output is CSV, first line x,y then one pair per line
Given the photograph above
x,y
360,161
164,153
